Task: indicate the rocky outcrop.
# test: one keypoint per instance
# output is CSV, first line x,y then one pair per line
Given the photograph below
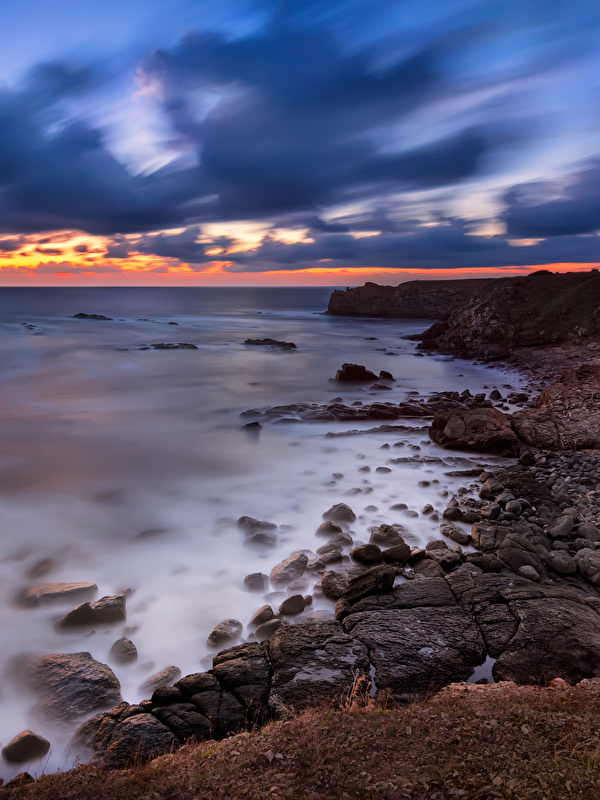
x,y
410,300
484,429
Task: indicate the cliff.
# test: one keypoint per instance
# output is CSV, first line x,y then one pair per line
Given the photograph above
x,y
410,300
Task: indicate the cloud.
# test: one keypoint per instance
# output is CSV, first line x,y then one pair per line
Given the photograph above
x,y
575,210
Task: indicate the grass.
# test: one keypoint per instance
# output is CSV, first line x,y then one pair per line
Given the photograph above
x,y
477,743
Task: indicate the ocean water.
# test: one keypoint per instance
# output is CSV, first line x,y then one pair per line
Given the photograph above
x,y
129,467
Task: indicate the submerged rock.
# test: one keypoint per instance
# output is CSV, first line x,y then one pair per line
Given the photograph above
x,y
45,593
81,315
275,343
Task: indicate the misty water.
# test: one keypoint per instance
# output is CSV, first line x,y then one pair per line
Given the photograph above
x,y
129,467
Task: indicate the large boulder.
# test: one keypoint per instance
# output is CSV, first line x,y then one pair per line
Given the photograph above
x,y
136,739
483,429
290,569
245,672
314,662
377,580
71,685
418,650
355,373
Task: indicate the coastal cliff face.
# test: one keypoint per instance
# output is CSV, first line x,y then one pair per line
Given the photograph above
x,y
487,318
411,300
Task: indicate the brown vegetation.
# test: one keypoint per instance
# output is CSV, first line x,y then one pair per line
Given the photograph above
x,y
468,741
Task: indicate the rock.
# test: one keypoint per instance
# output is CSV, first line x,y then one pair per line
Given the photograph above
x,y
588,531
165,677
26,746
72,685
251,525
339,513
482,429
514,507
573,630
256,582
376,580
561,527
446,559
334,584
398,554
81,315
314,662
428,568
386,535
165,695
55,593
418,650
456,534
267,629
561,562
290,569
328,528
264,614
185,721
225,632
138,739
105,611
588,564
491,511
452,513
384,375
529,572
271,343
354,373
245,671
367,554
123,651
292,605
516,551
341,539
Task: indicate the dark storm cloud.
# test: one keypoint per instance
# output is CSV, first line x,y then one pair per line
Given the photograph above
x,y
530,214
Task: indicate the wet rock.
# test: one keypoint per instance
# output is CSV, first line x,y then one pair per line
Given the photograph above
x,y
446,559
264,614
334,584
267,629
328,528
292,605
314,662
588,564
428,568
417,650
452,513
341,539
355,373
165,695
252,525
274,343
367,554
332,557
256,582
165,677
398,554
339,513
573,629
81,315
456,534
376,580
225,632
386,536
45,593
561,562
123,651
138,739
384,375
290,569
185,721
561,527
526,571
72,685
26,746
483,429
245,671
106,611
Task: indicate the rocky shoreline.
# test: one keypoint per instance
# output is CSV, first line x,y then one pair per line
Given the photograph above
x,y
516,594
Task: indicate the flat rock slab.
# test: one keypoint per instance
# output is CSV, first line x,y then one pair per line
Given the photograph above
x,y
71,685
556,638
314,661
418,650
55,593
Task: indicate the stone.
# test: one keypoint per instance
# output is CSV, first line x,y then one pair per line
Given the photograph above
x,y
376,580
482,429
428,568
328,528
418,650
137,739
456,534
25,746
561,527
292,605
588,531
106,611
70,685
339,513
273,343
588,564
263,614
165,677
452,513
185,721
367,554
45,593
334,584
527,571
446,559
267,629
314,662
245,672
225,632
165,695
123,651
491,511
256,582
355,373
516,551
573,629
252,525
398,554
290,569
386,535
561,562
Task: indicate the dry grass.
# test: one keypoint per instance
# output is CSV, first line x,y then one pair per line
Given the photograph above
x,y
503,741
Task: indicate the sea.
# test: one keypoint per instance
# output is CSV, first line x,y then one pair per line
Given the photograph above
x,y
129,467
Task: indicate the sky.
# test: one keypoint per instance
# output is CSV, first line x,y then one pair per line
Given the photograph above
x,y
297,142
